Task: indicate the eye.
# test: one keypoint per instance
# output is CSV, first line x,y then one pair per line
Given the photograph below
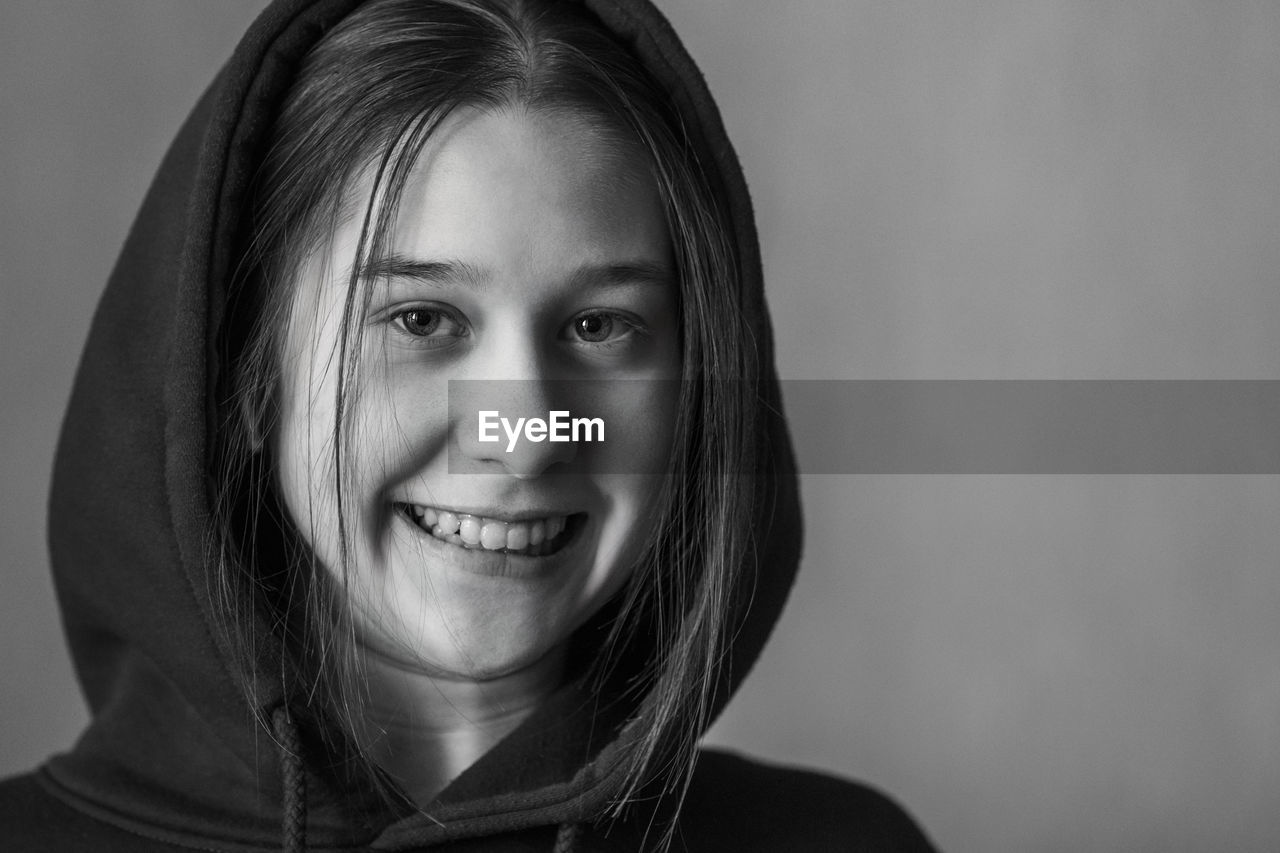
x,y
598,327
424,322
593,327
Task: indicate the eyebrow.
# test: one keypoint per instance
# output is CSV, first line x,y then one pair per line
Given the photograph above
x,y
461,273
427,272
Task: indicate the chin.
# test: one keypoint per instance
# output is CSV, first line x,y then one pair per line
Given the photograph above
x,y
480,616
454,630
479,656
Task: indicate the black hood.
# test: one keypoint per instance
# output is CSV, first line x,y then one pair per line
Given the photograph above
x,y
174,750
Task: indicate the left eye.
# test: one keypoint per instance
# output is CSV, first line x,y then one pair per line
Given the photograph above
x,y
428,322
599,327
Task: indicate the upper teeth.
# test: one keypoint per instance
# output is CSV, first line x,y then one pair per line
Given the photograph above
x,y
489,533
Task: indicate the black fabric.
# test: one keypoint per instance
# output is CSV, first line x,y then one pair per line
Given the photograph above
x,y
734,806
174,756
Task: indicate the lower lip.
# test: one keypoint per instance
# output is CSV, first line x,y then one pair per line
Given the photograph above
x,y
500,564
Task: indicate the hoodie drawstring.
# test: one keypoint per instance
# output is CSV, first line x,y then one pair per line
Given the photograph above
x,y
294,782
567,837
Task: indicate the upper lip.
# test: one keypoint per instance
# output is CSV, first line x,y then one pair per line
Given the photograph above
x,y
499,514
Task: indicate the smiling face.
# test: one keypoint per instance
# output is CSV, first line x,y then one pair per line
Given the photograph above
x,y
530,247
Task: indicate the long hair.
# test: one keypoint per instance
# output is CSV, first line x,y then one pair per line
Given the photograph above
x,y
368,96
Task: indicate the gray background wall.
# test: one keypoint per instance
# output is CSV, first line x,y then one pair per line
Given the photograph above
x,y
1039,189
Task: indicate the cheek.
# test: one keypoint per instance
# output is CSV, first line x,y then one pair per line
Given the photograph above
x,y
304,473
394,426
634,477
302,440
399,425
303,451
639,416
631,524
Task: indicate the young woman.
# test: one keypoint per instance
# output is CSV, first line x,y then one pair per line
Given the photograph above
x,y
312,605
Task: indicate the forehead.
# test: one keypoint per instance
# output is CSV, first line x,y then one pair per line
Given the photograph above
x,y
522,187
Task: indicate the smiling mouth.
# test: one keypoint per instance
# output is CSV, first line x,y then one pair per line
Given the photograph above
x,y
535,537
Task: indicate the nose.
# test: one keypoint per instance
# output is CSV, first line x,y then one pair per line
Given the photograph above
x,y
514,424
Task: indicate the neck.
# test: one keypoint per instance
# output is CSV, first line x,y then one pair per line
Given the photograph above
x,y
424,729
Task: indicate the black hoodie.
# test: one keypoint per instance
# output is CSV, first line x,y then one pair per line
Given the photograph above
x,y
174,757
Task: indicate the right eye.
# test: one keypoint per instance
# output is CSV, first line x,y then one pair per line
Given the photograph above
x,y
425,322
